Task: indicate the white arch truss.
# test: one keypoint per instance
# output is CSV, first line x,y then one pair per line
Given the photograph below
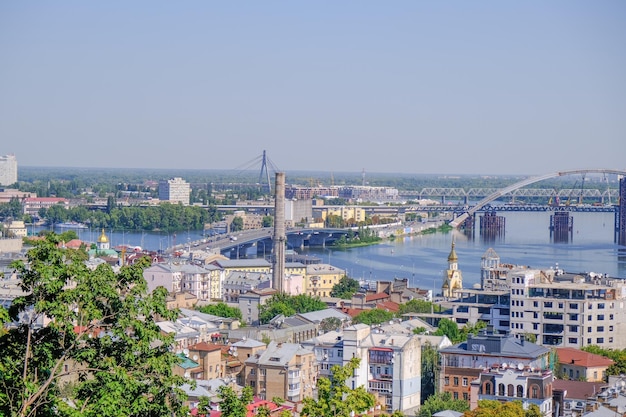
x,y
456,222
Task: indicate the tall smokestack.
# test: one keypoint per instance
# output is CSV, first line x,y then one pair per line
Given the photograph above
x,y
279,238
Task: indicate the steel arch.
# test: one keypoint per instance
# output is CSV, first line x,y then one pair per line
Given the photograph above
x,y
456,222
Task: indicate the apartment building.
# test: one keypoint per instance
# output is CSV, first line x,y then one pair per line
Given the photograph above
x,y
284,370
568,310
321,278
8,170
175,190
389,368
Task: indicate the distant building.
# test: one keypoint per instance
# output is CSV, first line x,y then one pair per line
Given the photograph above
x,y
32,205
582,366
8,170
175,190
321,278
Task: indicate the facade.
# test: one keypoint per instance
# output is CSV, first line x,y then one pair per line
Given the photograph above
x,y
175,190
568,310
464,362
297,211
452,277
237,284
163,275
321,278
251,301
8,170
244,265
471,306
284,370
389,368
519,383
347,213
32,205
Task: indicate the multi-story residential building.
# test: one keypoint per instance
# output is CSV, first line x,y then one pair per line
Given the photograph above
x,y
250,302
464,362
202,281
32,205
8,170
321,278
568,310
350,214
471,306
237,284
174,190
298,211
209,358
243,265
514,383
389,367
494,274
368,193
284,370
307,193
167,276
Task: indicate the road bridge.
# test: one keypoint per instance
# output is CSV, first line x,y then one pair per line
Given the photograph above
x,y
518,185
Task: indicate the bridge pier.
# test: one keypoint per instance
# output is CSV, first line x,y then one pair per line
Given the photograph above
x,y
561,226
492,225
620,215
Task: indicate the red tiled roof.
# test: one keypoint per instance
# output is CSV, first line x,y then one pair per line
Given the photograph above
x,y
572,356
352,312
389,306
205,347
374,297
578,390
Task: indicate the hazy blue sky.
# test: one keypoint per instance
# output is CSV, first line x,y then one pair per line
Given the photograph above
x,y
487,87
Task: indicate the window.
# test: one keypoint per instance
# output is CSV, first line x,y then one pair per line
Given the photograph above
x,y
535,304
573,340
573,328
561,305
600,316
456,381
534,391
501,389
520,391
600,306
600,340
589,317
456,395
464,382
610,328
446,380
600,329
340,353
589,329
262,372
547,304
465,396
252,371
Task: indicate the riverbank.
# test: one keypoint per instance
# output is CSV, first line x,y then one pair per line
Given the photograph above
x,y
398,232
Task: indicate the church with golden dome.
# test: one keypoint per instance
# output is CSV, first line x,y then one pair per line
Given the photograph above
x,y
103,241
452,277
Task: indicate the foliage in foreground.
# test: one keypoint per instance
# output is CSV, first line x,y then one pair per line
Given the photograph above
x,y
101,335
493,408
335,398
439,402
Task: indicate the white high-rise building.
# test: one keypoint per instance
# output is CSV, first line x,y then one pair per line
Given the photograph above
x,y
8,170
174,190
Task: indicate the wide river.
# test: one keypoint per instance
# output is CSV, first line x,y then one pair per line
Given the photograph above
x,y
422,259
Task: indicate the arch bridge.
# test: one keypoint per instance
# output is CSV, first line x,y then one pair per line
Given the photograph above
x,y
499,193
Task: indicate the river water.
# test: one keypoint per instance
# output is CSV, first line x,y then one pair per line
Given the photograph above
x,y
422,259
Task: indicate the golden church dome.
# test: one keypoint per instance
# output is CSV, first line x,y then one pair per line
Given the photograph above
x,y
103,238
452,257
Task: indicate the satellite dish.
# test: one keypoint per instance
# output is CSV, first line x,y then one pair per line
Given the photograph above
x,y
186,352
195,357
187,375
520,366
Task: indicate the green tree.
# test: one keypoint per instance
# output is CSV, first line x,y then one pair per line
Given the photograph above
x,y
430,370
101,326
330,323
418,306
237,224
439,402
618,356
335,398
267,221
288,305
447,327
233,405
221,310
493,408
345,288
373,316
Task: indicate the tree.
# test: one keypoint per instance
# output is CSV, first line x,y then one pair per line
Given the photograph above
x,y
330,323
439,402
233,405
288,305
237,224
101,332
335,398
447,327
430,370
493,408
345,288
418,306
221,310
373,316
267,221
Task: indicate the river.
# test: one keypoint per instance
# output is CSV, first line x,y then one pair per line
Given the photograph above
x,y
422,259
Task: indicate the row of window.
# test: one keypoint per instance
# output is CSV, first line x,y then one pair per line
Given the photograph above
x,y
455,381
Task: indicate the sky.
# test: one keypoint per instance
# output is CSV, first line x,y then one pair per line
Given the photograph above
x,y
424,87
